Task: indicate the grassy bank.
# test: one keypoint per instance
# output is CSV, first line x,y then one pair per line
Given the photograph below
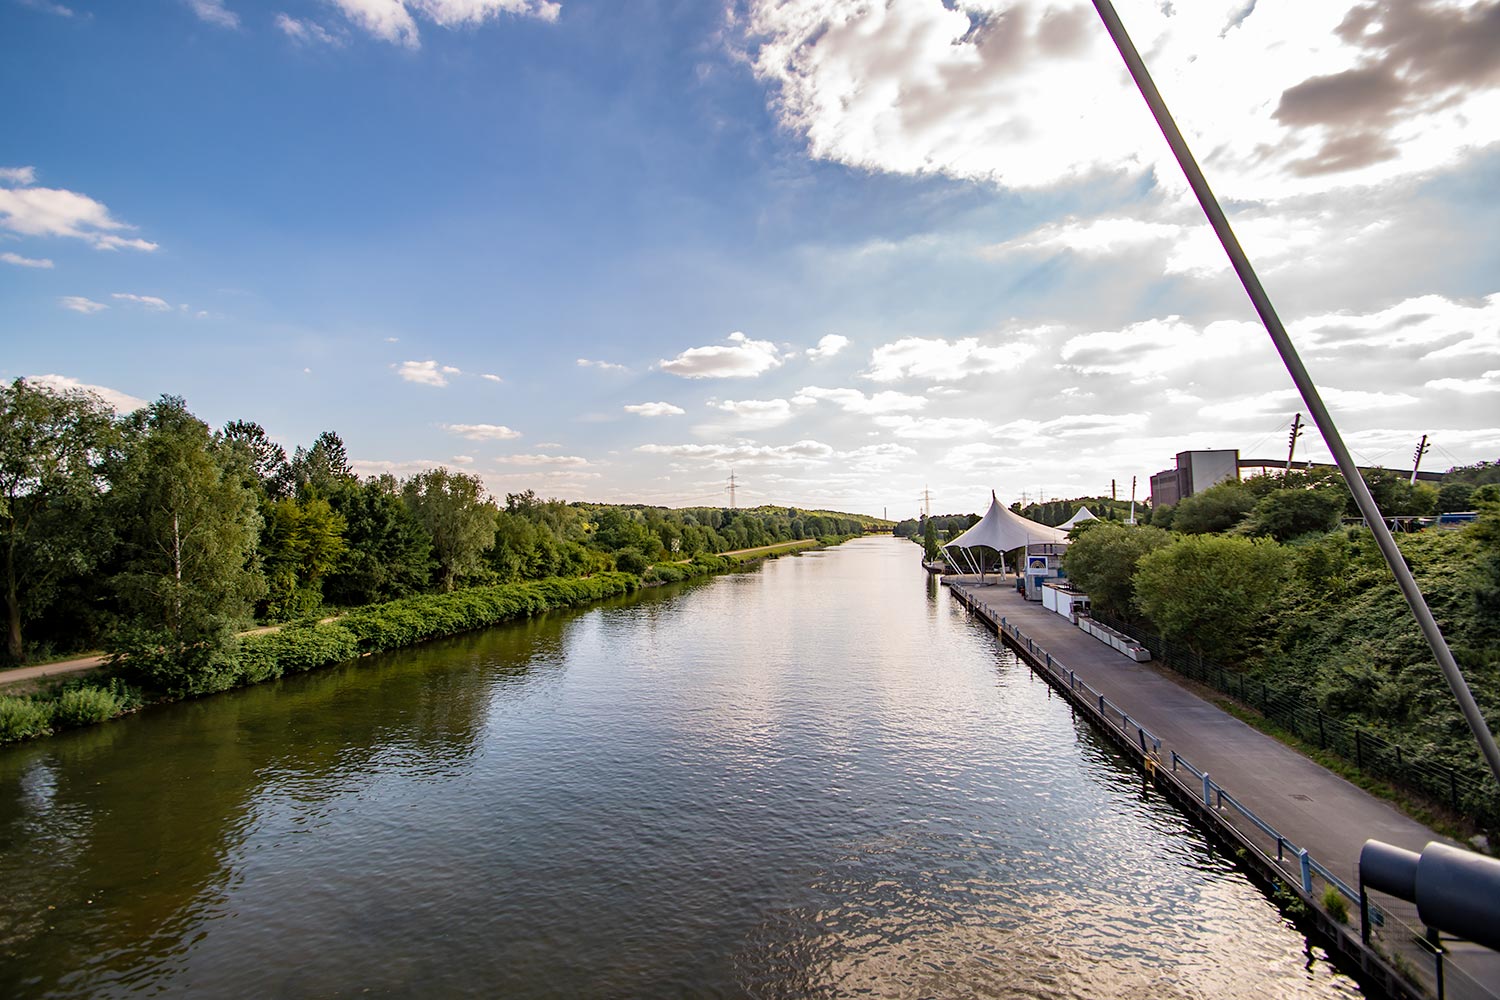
x,y
295,649
263,656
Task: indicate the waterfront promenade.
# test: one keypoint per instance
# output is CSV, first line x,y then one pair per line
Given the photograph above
x,y
1308,804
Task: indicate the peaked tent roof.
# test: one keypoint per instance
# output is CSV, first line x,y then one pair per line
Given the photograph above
x,y
1004,530
1084,514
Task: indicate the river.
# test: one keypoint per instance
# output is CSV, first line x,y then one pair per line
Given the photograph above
x,y
814,779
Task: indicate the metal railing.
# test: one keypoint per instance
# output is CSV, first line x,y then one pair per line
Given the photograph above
x,y
1409,951
1468,792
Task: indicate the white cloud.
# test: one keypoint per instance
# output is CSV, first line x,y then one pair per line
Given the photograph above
x,y
488,377
1272,239
388,467
426,372
655,409
122,402
78,303
49,7
745,453
463,459
936,358
385,19
828,346
149,301
1147,349
393,21
744,358
1030,94
854,401
482,432
19,261
36,211
935,428
1449,329
1339,401
601,365
1488,382
215,13
572,461
752,414
123,243
307,32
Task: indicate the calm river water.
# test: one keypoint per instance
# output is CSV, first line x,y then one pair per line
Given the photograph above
x,y
814,779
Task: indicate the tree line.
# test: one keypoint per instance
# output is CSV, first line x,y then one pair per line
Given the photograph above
x,y
153,533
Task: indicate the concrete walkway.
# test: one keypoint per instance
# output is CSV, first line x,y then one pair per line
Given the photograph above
x,y
1305,802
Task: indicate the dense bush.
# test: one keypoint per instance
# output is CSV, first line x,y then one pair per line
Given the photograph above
x,y
1103,559
83,704
631,560
294,648
23,718
1217,508
1211,591
414,619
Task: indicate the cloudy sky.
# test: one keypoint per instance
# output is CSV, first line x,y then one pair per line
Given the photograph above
x,y
846,249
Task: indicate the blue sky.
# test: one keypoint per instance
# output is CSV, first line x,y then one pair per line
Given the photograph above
x,y
613,251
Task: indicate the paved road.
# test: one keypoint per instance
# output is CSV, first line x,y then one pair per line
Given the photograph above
x,y
1309,804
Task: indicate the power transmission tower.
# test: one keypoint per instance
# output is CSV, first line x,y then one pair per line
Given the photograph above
x,y
1416,458
926,499
1292,440
1132,501
731,488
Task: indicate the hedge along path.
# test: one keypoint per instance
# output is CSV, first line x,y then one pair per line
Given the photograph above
x,y
299,648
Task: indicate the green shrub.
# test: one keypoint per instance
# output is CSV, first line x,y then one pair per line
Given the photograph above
x,y
295,648
1335,903
415,619
631,561
23,718
86,705
159,662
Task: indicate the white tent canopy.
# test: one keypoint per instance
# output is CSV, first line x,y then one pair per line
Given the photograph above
x,y
1084,514
1003,530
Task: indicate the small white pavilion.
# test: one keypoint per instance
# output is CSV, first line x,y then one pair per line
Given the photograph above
x,y
1084,514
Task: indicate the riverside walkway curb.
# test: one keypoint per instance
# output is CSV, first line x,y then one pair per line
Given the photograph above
x,y
1302,800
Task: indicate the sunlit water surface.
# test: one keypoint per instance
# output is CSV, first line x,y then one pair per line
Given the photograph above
x,y
815,779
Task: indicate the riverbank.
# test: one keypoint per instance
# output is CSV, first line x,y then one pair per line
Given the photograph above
x,y
264,654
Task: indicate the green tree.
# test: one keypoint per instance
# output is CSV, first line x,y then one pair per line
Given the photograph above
x,y
321,469
1287,514
52,446
1217,508
459,518
1211,591
1394,495
189,527
388,553
1102,562
300,543
265,459
930,546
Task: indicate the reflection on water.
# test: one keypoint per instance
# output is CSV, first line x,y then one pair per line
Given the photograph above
x,y
818,779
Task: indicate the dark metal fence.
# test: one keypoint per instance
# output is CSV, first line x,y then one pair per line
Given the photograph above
x,y
1468,792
